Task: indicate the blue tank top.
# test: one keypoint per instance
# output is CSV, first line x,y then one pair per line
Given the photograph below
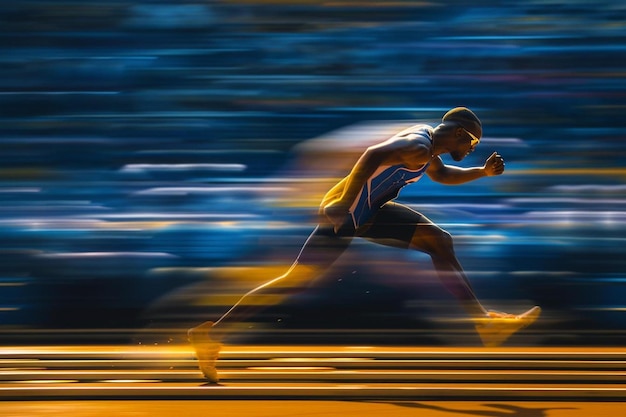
x,y
382,186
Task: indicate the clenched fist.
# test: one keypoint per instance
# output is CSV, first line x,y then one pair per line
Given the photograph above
x,y
494,164
337,213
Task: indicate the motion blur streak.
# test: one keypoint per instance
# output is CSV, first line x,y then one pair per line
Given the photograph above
x,y
159,159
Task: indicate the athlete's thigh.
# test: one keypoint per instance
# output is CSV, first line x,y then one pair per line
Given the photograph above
x,y
323,247
397,225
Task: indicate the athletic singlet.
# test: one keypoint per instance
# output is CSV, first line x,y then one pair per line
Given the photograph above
x,y
382,186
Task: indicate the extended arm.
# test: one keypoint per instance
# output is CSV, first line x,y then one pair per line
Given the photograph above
x,y
453,175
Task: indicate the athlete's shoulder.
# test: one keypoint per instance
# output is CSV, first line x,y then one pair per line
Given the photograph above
x,y
412,145
422,130
413,149
416,138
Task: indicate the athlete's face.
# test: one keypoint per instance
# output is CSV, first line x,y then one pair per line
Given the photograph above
x,y
466,143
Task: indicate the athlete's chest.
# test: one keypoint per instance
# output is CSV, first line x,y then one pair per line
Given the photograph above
x,y
395,176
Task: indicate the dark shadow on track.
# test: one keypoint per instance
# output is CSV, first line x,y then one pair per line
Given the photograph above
x,y
502,410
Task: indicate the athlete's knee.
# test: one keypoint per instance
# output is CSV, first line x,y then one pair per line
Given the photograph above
x,y
446,239
444,243
437,242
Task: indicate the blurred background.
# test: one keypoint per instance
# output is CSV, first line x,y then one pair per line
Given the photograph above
x,y
160,158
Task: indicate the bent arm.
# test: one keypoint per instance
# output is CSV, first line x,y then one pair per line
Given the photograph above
x,y
453,175
367,164
337,203
338,200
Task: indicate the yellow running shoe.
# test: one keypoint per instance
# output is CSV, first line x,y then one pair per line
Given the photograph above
x,y
207,350
497,327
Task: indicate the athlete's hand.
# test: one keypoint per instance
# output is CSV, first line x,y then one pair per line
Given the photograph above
x,y
494,165
337,213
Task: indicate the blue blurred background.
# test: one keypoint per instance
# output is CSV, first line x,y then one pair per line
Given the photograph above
x,y
160,158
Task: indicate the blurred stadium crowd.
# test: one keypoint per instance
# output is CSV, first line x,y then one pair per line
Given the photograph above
x,y
150,150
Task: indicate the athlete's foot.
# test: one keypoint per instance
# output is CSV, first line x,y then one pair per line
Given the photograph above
x,y
497,327
207,350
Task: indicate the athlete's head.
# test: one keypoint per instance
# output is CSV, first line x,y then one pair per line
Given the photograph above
x,y
467,128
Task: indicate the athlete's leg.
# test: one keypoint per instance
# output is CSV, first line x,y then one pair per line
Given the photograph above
x,y
319,251
439,245
399,225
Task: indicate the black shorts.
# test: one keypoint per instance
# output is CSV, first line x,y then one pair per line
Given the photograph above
x,y
393,225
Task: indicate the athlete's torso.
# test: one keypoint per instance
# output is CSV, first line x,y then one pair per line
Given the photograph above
x,y
385,185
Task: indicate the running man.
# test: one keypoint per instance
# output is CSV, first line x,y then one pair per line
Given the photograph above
x,y
362,205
